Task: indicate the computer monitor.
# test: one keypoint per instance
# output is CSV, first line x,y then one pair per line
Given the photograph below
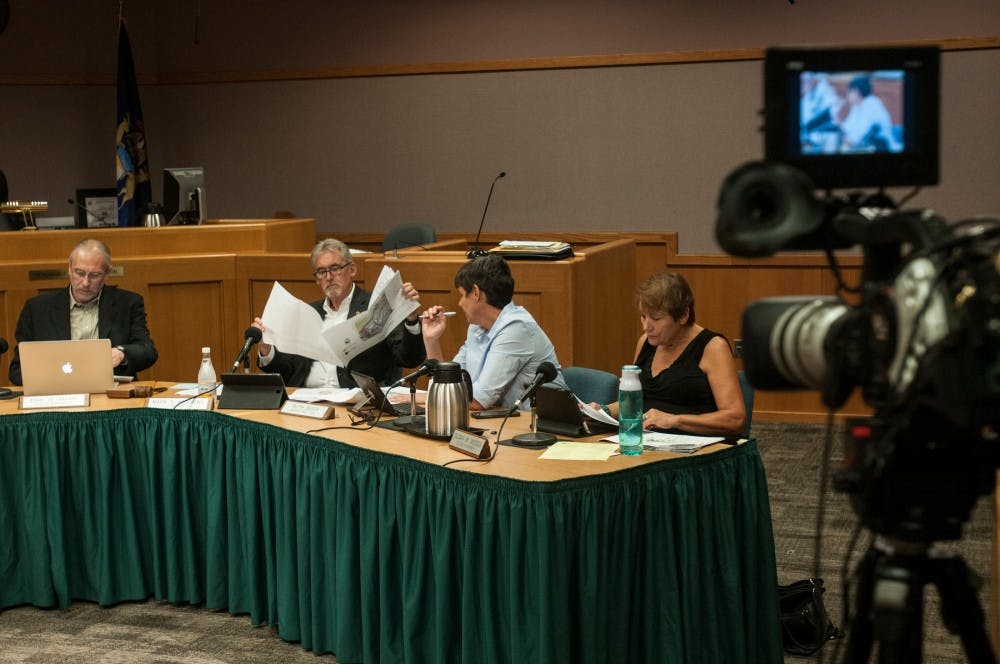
x,y
184,195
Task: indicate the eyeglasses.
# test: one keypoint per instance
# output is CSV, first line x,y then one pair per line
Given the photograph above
x,y
321,272
91,276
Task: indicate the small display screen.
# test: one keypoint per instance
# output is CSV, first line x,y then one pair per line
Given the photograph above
x,y
852,112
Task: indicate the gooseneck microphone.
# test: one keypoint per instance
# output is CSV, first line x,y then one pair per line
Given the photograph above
x,y
253,335
428,367
546,373
476,252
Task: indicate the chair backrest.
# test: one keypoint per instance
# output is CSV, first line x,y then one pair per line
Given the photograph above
x,y
592,384
405,236
747,389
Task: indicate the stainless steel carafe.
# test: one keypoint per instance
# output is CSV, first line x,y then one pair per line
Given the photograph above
x,y
153,216
448,399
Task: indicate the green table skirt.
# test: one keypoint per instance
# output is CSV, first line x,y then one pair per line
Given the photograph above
x,y
381,558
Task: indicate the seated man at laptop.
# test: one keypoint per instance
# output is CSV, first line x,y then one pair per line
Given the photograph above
x,y
503,346
334,270
89,309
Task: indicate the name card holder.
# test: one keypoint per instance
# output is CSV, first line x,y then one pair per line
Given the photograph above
x,y
470,444
313,410
179,403
55,401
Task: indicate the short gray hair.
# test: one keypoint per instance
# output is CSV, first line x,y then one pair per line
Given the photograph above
x,y
91,245
330,244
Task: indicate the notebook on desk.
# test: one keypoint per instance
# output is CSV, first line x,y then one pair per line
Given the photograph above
x,y
66,367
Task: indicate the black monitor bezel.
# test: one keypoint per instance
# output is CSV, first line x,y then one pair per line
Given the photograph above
x,y
916,166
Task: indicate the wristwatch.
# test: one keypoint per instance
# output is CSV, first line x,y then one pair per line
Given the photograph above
x,y
124,356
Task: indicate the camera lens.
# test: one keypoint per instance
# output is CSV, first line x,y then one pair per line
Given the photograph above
x,y
784,340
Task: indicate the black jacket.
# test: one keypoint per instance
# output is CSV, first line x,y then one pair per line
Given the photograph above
x,y
121,318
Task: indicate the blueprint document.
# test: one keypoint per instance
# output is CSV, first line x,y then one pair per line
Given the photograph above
x,y
295,327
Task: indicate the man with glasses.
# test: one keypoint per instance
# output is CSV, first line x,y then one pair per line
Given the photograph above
x,y
89,309
334,271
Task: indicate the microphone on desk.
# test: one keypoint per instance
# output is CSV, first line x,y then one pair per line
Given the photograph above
x,y
476,252
546,373
86,212
428,367
253,335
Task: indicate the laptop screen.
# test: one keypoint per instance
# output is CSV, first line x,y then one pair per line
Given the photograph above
x,y
66,367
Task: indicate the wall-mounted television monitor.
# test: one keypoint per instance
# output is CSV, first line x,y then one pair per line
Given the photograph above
x,y
854,117
184,195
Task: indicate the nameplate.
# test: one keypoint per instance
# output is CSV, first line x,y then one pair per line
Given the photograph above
x,y
314,410
56,401
179,403
469,443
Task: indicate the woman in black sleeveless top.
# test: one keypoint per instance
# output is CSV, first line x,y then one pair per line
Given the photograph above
x,y
688,375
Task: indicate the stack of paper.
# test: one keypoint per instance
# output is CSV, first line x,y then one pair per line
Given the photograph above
x,y
673,442
533,249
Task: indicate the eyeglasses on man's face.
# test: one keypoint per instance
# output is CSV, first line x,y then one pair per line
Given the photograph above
x,y
333,270
83,275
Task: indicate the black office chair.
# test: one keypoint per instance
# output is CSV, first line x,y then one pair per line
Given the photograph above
x,y
748,393
408,235
592,385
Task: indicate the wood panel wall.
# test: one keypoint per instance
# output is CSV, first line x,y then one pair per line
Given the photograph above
x,y
723,286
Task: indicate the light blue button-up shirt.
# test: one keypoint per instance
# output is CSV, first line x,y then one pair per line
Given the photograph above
x,y
503,360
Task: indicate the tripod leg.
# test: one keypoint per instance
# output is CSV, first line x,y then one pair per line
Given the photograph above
x,y
960,610
861,630
898,605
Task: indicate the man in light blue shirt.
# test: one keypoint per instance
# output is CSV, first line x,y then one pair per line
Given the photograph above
x,y
504,344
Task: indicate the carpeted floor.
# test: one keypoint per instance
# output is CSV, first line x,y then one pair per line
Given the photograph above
x,y
156,632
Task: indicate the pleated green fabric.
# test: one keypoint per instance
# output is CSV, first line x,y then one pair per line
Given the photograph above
x,y
380,558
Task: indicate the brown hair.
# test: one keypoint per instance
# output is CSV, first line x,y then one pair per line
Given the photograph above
x,y
667,293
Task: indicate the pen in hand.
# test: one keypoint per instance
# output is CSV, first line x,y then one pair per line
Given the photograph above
x,y
443,313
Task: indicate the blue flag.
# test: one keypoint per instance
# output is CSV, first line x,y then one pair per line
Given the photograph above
x,y
131,163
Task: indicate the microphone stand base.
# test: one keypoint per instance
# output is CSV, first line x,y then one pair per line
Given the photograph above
x,y
532,440
476,252
404,421
8,394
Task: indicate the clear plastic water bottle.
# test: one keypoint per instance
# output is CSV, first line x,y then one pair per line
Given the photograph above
x,y
630,411
207,378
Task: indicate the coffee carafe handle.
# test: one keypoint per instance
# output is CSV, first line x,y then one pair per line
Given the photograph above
x,y
468,383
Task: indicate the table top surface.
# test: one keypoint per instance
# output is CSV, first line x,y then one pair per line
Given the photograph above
x,y
509,461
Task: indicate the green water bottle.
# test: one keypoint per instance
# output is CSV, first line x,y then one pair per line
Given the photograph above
x,y
630,411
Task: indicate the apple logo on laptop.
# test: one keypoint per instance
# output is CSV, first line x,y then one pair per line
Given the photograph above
x,y
67,368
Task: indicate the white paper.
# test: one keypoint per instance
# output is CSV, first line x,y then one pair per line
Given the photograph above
x,y
295,327
672,442
596,413
387,309
331,394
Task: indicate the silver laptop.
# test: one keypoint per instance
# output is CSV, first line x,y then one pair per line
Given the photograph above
x,y
66,367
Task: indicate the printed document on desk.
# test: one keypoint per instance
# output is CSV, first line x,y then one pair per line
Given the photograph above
x,y
341,395
673,442
295,327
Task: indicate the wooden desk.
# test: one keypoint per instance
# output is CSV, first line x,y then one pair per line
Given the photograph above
x,y
189,277
585,304
362,544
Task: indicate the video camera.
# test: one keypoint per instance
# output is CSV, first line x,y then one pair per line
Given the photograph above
x,y
921,334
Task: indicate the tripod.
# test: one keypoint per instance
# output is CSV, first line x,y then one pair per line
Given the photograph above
x,y
889,604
